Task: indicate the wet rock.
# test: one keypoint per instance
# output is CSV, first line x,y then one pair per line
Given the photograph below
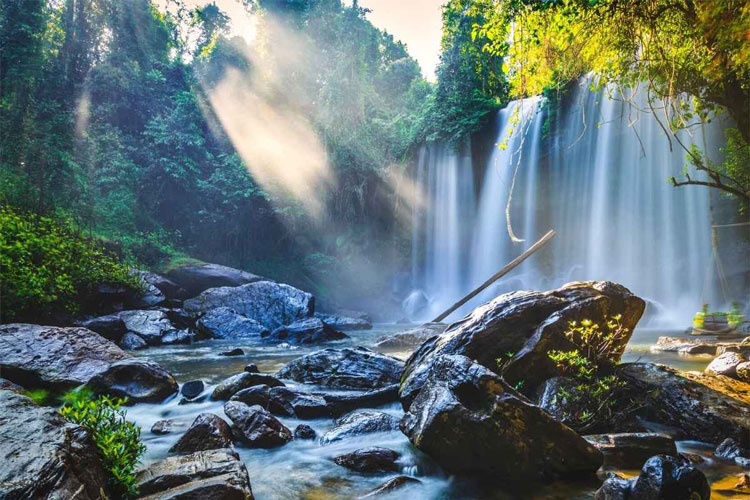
x,y
350,368
167,287
360,422
344,322
44,456
252,368
303,431
210,475
528,324
180,318
197,277
392,485
149,325
373,459
207,432
471,421
255,426
411,338
149,296
726,364
111,326
705,407
225,323
177,337
132,342
665,477
338,404
162,427
631,450
138,380
284,401
614,488
54,358
743,371
305,331
729,449
685,345
7,385
270,304
192,389
234,352
236,383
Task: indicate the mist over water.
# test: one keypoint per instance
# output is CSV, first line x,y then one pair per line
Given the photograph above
x,y
596,172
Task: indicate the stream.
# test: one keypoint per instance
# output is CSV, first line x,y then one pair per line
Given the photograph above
x,y
304,469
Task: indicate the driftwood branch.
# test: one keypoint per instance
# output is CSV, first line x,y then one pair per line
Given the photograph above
x,y
502,272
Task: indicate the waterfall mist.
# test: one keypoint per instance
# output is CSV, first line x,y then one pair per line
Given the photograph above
x,y
595,170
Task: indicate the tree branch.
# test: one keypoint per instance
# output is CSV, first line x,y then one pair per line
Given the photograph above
x,y
743,195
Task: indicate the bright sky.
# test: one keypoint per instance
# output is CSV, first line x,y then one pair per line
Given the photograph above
x,y
417,23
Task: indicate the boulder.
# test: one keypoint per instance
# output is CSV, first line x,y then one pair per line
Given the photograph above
x,y
224,323
177,337
685,345
210,475
726,364
338,404
471,421
700,407
7,385
270,304
197,277
303,431
528,324
255,426
192,389
392,485
349,368
665,477
344,322
138,380
284,401
631,450
207,432
149,296
149,325
373,459
132,342
305,331
614,488
161,427
167,287
111,326
232,352
236,383
252,368
54,358
743,371
44,456
411,338
360,422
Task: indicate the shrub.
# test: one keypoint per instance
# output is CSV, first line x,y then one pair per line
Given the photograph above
x,y
48,267
117,440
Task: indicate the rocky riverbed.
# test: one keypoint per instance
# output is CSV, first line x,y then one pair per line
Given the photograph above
x,y
262,394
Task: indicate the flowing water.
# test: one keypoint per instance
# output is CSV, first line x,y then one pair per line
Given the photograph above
x,y
305,469
595,170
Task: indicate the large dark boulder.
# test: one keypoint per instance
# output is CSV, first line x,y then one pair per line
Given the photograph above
x,y
207,432
270,304
255,427
305,331
150,325
726,364
350,368
138,380
700,407
225,323
236,383
670,477
205,475
111,326
344,322
284,401
54,358
472,422
360,422
197,277
631,450
167,287
529,325
338,404
373,459
44,456
412,337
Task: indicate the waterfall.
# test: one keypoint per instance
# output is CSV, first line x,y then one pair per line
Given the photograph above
x,y
596,172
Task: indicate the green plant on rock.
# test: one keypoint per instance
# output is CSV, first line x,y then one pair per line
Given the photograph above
x,y
117,440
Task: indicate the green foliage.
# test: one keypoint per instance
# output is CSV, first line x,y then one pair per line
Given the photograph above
x,y
41,397
47,266
117,440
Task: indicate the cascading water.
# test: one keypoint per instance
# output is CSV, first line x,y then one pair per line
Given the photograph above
x,y
597,174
